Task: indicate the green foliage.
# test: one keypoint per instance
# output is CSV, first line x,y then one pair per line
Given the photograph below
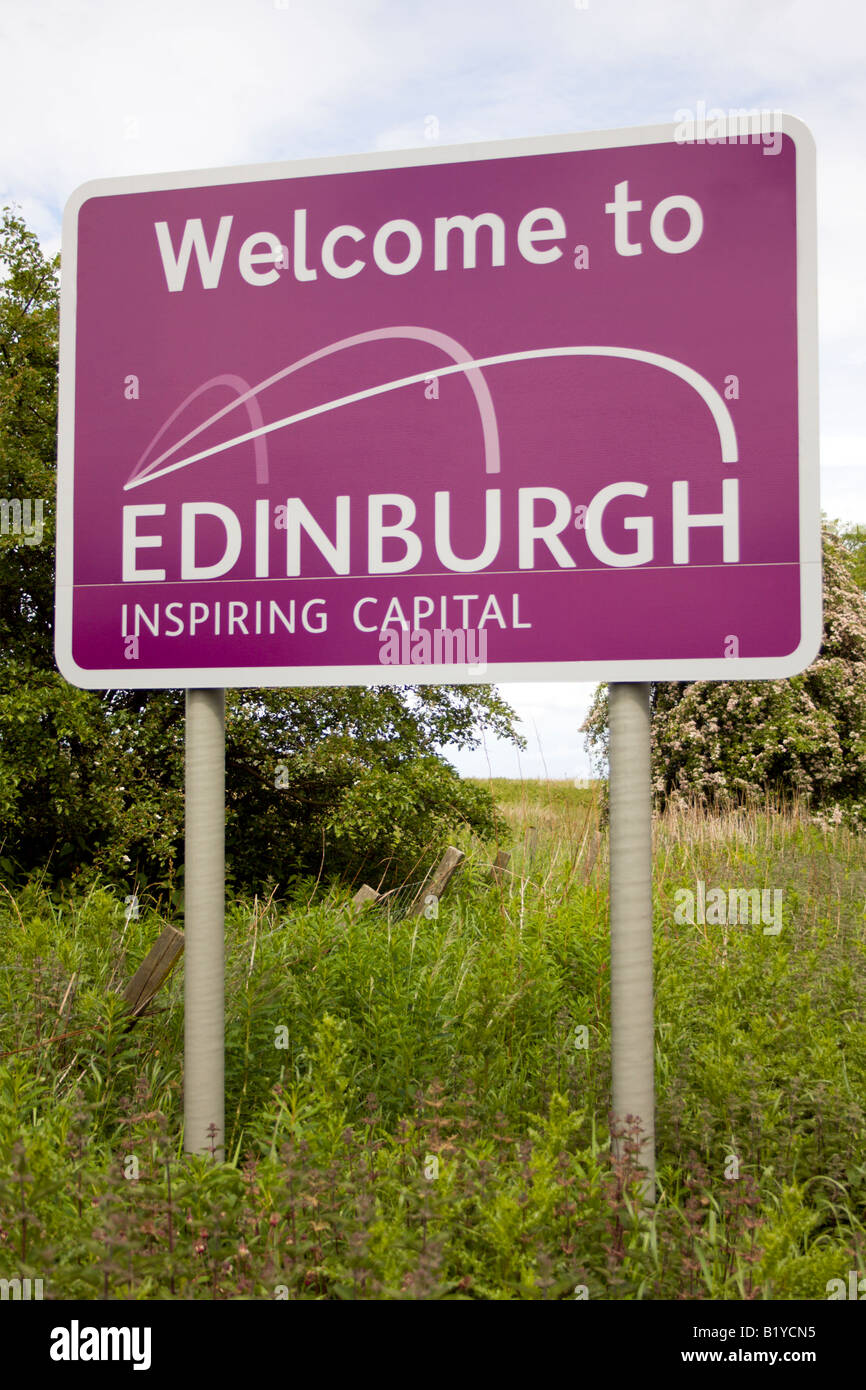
x,y
28,425
91,783
349,780
409,1113
853,539
720,741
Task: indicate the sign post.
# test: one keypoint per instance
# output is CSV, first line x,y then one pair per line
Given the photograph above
x,y
536,410
631,924
204,924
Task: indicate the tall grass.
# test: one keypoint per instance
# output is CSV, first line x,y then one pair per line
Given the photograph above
x,y
410,1110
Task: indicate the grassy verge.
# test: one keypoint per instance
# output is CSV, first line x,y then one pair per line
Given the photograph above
x,y
418,1108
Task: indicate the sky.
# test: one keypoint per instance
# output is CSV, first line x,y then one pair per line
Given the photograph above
x,y
96,89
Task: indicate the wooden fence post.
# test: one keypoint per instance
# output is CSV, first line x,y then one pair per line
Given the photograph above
x,y
532,843
364,895
433,888
499,865
153,971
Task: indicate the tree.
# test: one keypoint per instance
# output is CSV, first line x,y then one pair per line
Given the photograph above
x,y
335,780
853,539
45,725
28,432
723,741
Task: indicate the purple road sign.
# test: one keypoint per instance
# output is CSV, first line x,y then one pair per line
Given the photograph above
x,y
540,409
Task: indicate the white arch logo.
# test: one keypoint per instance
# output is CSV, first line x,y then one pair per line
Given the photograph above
x,y
461,361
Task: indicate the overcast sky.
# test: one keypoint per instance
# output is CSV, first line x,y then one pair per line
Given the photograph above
x,y
95,89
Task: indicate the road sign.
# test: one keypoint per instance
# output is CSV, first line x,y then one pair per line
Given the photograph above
x,y
538,409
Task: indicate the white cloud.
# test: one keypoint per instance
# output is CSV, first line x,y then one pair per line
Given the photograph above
x,y
549,717
843,451
843,476
122,89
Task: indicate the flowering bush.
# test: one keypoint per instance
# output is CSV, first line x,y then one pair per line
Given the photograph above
x,y
727,741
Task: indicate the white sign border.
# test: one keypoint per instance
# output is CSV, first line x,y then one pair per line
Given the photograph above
x,y
672,669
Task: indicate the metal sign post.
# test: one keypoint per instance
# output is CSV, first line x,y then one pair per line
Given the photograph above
x,y
204,921
631,921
